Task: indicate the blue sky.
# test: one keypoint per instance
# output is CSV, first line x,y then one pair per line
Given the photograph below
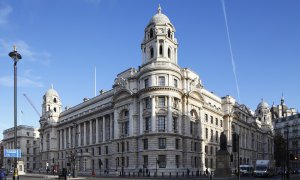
x,y
62,41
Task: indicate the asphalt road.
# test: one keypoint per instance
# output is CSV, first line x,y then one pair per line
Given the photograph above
x,y
293,177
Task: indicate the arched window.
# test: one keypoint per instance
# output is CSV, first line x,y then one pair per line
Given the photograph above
x,y
151,33
54,109
169,53
160,50
151,52
169,33
54,100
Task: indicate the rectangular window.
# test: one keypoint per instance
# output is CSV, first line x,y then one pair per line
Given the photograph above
x,y
27,141
211,119
206,133
175,83
127,161
206,162
99,150
211,135
221,123
162,143
211,150
175,124
127,146
217,121
195,146
217,136
177,143
147,124
206,117
145,142
192,143
177,161
161,123
147,103
126,127
106,149
191,127
161,102
27,150
206,149
122,146
146,81
211,163
161,81
145,161
162,161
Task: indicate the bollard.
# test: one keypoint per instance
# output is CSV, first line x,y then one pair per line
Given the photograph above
x,y
170,174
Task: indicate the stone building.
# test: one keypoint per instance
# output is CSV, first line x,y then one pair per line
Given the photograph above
x,y
29,143
1,154
287,123
157,118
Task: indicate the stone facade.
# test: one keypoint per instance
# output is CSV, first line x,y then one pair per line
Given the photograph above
x,y
29,143
158,117
287,123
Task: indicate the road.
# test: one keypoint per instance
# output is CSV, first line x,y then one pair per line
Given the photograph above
x,y
29,177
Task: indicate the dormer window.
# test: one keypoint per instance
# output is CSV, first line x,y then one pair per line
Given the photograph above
x,y
151,33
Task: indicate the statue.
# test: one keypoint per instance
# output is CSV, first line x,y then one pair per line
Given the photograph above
x,y
223,142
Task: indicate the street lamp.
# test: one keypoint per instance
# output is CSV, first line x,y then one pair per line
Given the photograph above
x,y
287,152
122,154
75,150
15,57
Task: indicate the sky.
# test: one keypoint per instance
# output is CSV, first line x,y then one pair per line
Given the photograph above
x,y
62,42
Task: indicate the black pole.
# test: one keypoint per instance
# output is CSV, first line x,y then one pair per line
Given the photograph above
x,y
287,153
16,57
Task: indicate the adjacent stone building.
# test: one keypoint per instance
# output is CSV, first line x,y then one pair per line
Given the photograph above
x,y
29,142
287,123
157,118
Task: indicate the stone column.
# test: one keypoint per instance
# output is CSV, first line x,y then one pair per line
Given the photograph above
x,y
170,118
103,131
79,135
84,134
116,124
65,138
70,137
97,130
141,119
59,141
91,130
153,116
111,125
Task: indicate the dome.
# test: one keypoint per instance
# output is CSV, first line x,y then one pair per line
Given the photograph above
x,y
159,18
262,105
51,92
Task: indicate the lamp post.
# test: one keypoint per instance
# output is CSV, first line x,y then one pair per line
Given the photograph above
x,y
75,150
122,155
287,152
15,57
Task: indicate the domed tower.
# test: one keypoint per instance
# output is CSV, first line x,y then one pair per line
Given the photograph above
x,y
263,113
51,104
159,42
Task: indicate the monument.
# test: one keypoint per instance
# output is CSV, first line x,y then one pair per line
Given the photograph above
x,y
223,158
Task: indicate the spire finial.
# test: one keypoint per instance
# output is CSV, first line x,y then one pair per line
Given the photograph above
x,y
159,9
15,47
262,99
51,86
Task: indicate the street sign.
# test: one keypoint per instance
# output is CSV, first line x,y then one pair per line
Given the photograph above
x,y
12,153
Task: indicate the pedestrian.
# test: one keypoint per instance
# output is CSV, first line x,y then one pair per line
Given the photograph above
x,y
206,171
